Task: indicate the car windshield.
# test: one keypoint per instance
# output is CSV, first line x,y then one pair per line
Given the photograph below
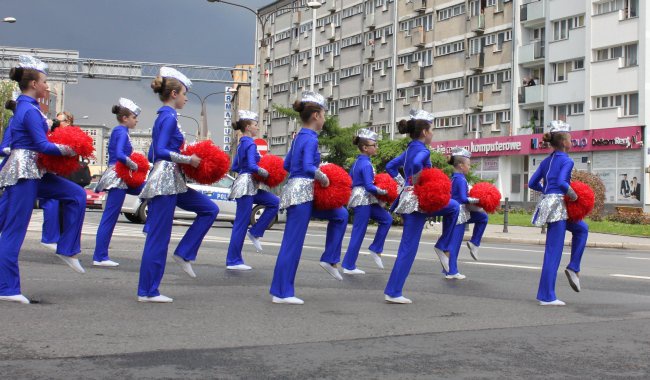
x,y
225,182
91,186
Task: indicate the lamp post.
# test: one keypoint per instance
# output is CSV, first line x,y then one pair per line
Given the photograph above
x,y
9,20
198,127
262,21
203,131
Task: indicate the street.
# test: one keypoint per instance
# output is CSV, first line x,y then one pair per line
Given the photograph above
x,y
223,324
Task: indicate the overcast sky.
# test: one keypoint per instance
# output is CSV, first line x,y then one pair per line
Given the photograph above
x,y
168,31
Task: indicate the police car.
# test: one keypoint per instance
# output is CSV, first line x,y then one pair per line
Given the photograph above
x,y
135,210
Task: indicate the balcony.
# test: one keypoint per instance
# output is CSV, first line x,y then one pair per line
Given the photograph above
x,y
417,37
368,84
477,62
419,6
297,18
531,97
369,53
295,45
329,61
532,14
295,71
475,101
367,116
532,55
478,24
331,32
331,6
369,21
328,90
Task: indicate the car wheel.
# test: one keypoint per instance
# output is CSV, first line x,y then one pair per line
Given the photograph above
x,y
143,210
257,213
133,218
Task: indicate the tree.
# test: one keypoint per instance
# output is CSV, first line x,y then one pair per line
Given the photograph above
x,y
596,184
6,91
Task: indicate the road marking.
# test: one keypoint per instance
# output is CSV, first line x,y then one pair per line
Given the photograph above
x,y
630,276
637,258
502,265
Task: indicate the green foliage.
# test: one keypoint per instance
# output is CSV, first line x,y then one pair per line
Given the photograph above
x,y
597,185
388,149
336,142
6,90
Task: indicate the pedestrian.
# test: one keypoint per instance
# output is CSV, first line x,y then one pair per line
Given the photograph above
x,y
24,181
469,212
166,188
5,150
119,150
246,191
297,198
553,179
416,158
365,204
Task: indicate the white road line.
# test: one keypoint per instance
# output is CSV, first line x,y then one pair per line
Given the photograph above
x,y
637,258
630,276
502,265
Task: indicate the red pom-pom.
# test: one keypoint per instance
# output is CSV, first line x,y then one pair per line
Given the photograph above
x,y
581,207
337,194
274,165
489,197
215,163
130,177
386,182
76,139
433,190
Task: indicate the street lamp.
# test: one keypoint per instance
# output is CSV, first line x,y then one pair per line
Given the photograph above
x,y
263,20
198,127
9,20
203,131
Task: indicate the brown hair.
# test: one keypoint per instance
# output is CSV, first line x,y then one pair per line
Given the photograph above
x,y
306,109
24,76
10,105
457,160
413,127
360,142
555,139
121,112
240,125
164,87
68,116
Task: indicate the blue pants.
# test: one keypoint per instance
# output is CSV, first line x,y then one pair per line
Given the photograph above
x,y
161,214
555,233
3,211
580,232
114,201
408,246
21,198
242,218
293,239
480,220
51,226
362,215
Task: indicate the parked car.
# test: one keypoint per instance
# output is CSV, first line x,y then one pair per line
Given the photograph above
x,y
135,210
93,199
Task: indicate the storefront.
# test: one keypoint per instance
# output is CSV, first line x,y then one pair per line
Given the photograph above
x,y
615,154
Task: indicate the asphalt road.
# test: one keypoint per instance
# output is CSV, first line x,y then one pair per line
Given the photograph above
x,y
223,324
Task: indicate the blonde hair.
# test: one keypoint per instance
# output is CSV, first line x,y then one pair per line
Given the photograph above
x,y
68,116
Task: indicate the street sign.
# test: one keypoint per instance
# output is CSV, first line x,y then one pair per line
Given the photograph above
x,y
262,146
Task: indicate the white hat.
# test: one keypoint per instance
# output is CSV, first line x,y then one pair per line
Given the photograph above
x,y
421,115
462,152
247,115
558,126
168,72
365,133
29,62
127,103
314,97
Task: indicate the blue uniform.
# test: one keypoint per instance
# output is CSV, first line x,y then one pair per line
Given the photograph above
x,y
363,178
119,149
165,190
416,158
29,136
553,178
245,163
6,143
301,162
480,219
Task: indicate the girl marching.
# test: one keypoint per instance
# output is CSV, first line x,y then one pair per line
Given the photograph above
x,y
302,162
25,181
246,192
166,188
416,158
365,205
119,150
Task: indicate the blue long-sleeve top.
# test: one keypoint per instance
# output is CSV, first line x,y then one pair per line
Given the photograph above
x,y
247,157
415,158
6,138
362,174
303,158
166,137
29,130
459,188
119,145
553,176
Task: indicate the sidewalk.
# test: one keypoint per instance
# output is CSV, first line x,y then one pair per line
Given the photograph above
x,y
526,235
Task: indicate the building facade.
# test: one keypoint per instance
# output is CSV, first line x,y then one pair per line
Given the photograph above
x,y
490,71
101,134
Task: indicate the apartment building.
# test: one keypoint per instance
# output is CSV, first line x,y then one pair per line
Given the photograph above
x,y
492,72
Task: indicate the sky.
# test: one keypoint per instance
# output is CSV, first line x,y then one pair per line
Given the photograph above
x,y
168,31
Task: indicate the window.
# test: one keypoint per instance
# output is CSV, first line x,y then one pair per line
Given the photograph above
x,y
475,46
453,11
352,11
488,118
560,30
448,121
454,47
450,85
628,103
350,41
350,71
630,55
562,69
349,102
425,21
608,6
579,64
627,51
